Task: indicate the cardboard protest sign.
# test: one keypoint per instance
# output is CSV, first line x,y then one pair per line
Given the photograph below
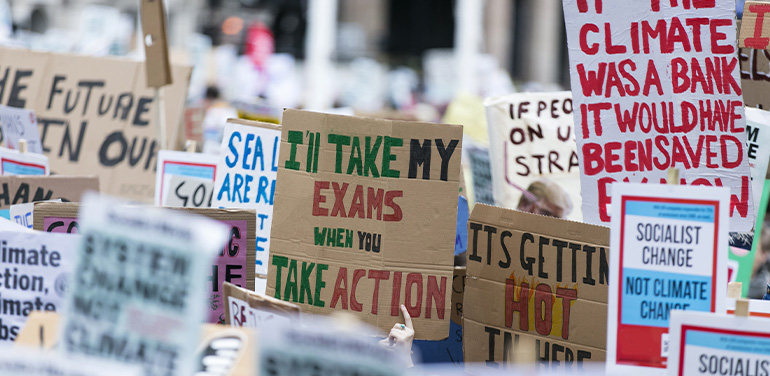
x,y
365,218
36,268
533,155
449,350
226,350
755,77
536,284
185,179
246,173
755,30
670,245
139,284
12,162
704,343
481,174
20,124
327,347
92,119
22,189
234,262
656,85
248,309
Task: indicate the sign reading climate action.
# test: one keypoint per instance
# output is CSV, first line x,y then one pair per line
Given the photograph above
x,y
672,253
365,218
705,344
35,272
656,85
536,285
139,297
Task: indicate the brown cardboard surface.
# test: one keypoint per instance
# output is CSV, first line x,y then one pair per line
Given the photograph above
x,y
458,291
41,331
755,76
415,256
153,17
23,189
259,302
95,115
755,25
566,293
244,359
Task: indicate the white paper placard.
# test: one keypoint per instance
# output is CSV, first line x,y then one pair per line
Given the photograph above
x,y
36,269
14,163
246,172
141,283
532,148
711,344
657,85
669,246
20,124
757,149
179,176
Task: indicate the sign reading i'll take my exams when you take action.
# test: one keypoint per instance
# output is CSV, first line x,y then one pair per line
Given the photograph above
x,y
365,218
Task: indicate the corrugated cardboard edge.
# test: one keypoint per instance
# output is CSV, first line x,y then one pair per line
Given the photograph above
x,y
260,302
41,210
579,231
252,123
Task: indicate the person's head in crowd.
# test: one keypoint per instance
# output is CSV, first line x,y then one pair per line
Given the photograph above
x,y
551,200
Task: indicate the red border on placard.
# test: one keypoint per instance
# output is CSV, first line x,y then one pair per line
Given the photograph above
x,y
163,172
683,339
3,160
646,337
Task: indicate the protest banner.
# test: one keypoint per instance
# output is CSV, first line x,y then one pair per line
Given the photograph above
x,y
656,85
670,244
36,270
185,179
246,308
755,31
13,162
534,284
533,155
23,189
20,124
703,343
246,175
226,351
325,347
6,225
234,262
25,362
92,119
139,285
366,216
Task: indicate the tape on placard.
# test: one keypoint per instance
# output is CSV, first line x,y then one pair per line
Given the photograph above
x,y
734,290
742,308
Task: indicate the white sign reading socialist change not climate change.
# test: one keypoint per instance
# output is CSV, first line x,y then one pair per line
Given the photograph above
x,y
670,246
245,177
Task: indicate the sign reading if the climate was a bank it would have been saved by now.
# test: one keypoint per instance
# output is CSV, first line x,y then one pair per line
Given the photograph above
x,y
365,218
657,85
670,246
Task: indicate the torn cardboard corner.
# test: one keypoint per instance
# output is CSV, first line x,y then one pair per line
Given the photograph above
x,y
257,302
755,25
365,219
535,276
